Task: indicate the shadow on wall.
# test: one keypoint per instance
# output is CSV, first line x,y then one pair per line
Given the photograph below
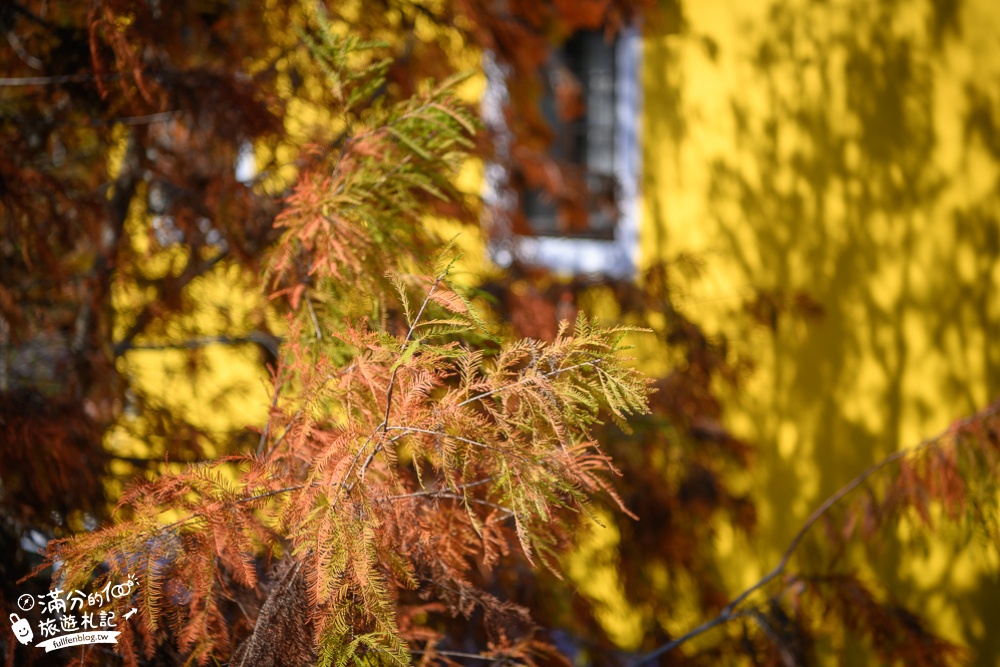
x,y
861,166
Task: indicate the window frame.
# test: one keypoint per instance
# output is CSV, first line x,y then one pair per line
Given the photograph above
x,y
615,257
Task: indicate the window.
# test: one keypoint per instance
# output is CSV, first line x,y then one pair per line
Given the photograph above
x,y
601,142
587,140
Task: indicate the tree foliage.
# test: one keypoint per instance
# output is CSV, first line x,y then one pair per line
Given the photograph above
x,y
424,468
392,462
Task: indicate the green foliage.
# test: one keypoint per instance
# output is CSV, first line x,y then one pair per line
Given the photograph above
x,y
357,211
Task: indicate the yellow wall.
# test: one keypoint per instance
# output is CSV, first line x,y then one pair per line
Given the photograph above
x,y
907,286
834,161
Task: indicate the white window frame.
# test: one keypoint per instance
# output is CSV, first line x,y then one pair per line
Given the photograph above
x,y
615,258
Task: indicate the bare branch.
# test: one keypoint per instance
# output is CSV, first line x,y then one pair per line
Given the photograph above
x,y
262,445
431,492
411,429
268,341
456,496
44,80
459,654
144,461
526,379
312,315
729,612
22,53
392,384
409,335
192,271
240,501
786,655
148,119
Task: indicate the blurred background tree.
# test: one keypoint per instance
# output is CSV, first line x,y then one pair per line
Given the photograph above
x,y
124,216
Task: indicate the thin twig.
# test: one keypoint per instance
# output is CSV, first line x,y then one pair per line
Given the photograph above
x,y
267,341
383,427
298,413
443,434
458,654
432,492
238,501
142,461
478,501
312,315
22,53
274,404
526,379
729,612
409,335
786,655
44,80
148,119
192,271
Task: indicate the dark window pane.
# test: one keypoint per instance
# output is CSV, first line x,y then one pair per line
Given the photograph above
x,y
588,140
